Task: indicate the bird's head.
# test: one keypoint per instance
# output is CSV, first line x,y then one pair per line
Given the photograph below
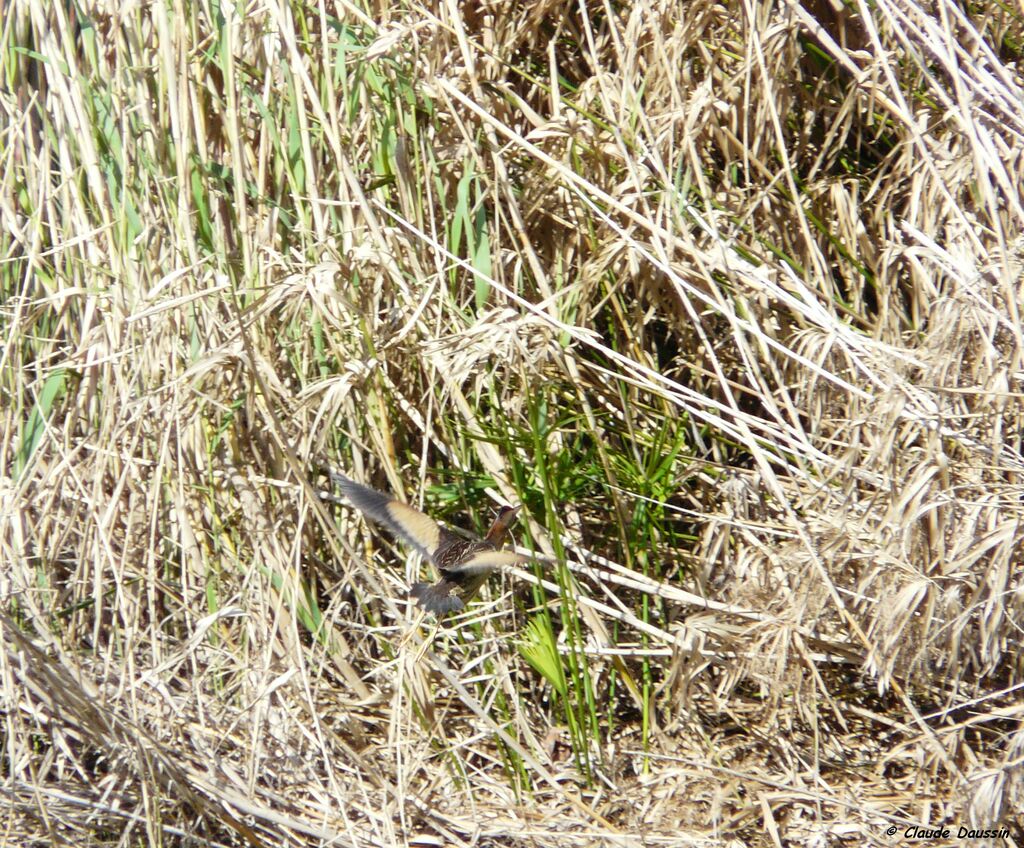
x,y
506,515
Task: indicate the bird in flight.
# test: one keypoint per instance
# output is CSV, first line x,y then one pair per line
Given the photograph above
x,y
463,565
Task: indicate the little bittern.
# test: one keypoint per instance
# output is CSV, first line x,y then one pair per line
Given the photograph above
x,y
462,564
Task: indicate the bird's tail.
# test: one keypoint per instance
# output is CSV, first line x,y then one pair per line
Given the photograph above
x,y
436,598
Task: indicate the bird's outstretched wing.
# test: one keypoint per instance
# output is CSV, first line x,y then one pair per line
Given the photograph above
x,y
408,524
459,583
484,562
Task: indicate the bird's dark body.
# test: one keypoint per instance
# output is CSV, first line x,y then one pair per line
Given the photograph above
x,y
463,565
451,555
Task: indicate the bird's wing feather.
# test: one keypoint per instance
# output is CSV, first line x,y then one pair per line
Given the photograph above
x,y
411,525
484,562
438,598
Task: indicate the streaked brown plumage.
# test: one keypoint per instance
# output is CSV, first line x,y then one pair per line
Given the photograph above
x,y
462,564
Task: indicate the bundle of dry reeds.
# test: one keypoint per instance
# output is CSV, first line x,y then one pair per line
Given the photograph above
x,y
726,295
